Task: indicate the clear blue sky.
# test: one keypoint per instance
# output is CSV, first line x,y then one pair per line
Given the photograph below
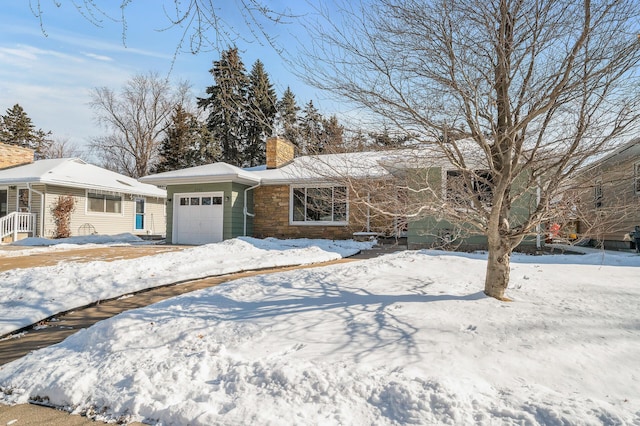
x,y
51,75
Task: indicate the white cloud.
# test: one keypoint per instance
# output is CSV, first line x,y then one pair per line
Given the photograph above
x,y
98,57
100,45
9,55
54,87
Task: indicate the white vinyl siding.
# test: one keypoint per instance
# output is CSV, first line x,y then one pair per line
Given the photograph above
x,y
85,223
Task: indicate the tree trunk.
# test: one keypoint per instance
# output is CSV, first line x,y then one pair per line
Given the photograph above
x,y
497,277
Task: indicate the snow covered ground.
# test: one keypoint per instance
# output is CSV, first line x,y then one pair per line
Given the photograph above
x,y
43,245
407,338
30,295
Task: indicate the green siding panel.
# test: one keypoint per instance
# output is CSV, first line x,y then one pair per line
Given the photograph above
x,y
233,221
428,231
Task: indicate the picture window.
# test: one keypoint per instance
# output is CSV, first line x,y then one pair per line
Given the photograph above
x,y
326,204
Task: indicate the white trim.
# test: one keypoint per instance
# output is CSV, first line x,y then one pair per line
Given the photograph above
x,y
103,213
135,214
318,222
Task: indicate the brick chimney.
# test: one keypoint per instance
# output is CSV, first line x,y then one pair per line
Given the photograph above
x,y
12,155
280,152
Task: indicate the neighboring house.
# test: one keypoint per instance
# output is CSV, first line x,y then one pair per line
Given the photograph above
x,y
303,197
105,202
608,194
12,155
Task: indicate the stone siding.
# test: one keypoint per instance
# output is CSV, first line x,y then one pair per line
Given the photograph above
x,y
271,206
279,152
11,155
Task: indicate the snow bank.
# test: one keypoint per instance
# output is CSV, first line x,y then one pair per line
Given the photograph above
x,y
30,295
42,245
401,339
87,239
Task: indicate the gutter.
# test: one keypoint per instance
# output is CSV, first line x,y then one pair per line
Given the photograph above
x,y
42,201
245,211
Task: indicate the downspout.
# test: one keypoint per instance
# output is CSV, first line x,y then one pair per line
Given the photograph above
x,y
368,211
538,239
41,233
245,211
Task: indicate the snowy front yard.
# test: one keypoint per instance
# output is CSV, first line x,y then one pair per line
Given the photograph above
x,y
402,339
30,295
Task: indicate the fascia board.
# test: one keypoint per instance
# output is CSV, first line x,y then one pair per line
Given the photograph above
x,y
182,180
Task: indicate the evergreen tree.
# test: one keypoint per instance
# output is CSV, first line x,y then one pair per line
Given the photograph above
x,y
187,143
385,140
287,119
17,129
227,106
261,114
311,130
332,135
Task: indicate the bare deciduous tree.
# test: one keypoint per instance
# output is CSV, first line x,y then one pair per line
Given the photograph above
x,y
515,95
137,118
62,148
203,24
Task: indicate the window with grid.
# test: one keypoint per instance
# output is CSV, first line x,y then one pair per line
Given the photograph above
x,y
324,204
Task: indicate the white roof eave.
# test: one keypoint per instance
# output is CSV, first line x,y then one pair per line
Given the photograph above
x,y
183,180
128,190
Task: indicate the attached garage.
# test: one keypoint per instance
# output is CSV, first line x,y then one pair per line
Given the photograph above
x,y
198,217
206,204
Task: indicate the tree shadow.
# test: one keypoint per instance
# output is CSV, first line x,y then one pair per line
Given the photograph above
x,y
361,319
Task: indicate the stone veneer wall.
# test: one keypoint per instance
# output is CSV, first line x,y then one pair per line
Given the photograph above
x,y
271,207
11,155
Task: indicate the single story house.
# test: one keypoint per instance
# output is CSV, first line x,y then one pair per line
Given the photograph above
x,y
219,201
608,197
105,202
293,197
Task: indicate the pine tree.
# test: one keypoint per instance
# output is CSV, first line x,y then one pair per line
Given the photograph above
x,y
261,114
187,143
227,106
332,135
17,129
311,130
287,119
385,140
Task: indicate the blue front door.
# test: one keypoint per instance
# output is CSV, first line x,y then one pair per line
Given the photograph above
x,y
139,214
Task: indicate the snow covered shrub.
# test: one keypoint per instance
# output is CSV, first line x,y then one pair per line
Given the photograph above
x,y
61,211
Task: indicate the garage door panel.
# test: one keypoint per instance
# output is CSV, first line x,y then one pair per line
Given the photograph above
x,y
198,218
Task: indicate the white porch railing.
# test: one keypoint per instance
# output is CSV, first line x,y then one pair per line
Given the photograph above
x,y
15,223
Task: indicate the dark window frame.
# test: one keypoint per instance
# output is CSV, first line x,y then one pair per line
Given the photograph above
x,y
324,205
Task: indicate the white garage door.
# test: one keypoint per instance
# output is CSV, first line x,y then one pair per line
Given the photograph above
x,y
198,217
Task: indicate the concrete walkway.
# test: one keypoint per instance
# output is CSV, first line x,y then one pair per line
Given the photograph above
x,y
31,257
34,415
